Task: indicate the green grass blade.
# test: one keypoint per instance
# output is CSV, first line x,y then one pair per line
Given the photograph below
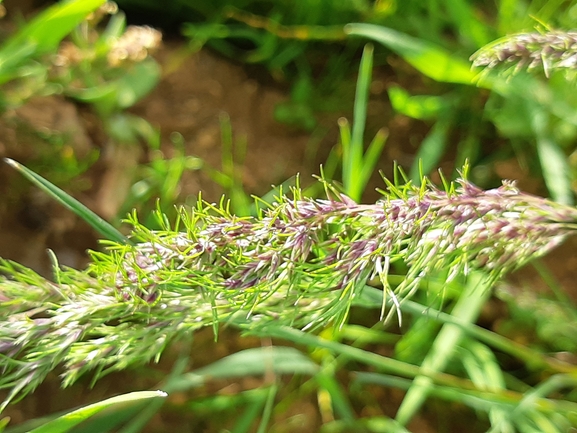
x,y
431,150
66,422
48,28
338,397
477,400
484,370
260,360
383,424
138,422
249,362
386,364
431,60
532,358
420,107
353,164
100,225
555,170
467,309
267,412
371,157
42,34
345,136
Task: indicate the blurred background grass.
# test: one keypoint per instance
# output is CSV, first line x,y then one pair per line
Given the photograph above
x,y
129,131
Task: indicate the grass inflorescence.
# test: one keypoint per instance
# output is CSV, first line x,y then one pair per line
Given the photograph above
x,y
302,262
545,51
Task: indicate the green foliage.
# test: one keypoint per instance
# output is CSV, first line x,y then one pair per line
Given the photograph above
x,y
101,226
243,265
107,413
301,263
359,165
42,35
109,69
63,51
435,38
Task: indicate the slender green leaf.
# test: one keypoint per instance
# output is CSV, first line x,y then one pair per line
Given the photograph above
x,y
250,362
372,155
431,150
43,34
382,424
266,415
328,383
3,423
484,370
66,422
101,226
555,170
431,60
353,157
420,107
49,27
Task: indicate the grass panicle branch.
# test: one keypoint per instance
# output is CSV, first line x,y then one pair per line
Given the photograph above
x,y
302,262
547,51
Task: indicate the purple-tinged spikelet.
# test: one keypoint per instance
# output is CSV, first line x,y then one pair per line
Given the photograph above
x,y
326,246
552,50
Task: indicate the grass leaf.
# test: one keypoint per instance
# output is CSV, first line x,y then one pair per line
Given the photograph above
x,y
250,362
556,171
100,225
66,422
431,60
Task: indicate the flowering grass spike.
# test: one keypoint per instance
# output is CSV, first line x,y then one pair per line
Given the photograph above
x,y
552,50
302,262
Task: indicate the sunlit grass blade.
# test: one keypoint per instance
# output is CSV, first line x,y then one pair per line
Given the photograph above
x,y
523,353
420,107
373,298
474,399
383,424
544,390
138,422
43,33
48,28
96,222
66,422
